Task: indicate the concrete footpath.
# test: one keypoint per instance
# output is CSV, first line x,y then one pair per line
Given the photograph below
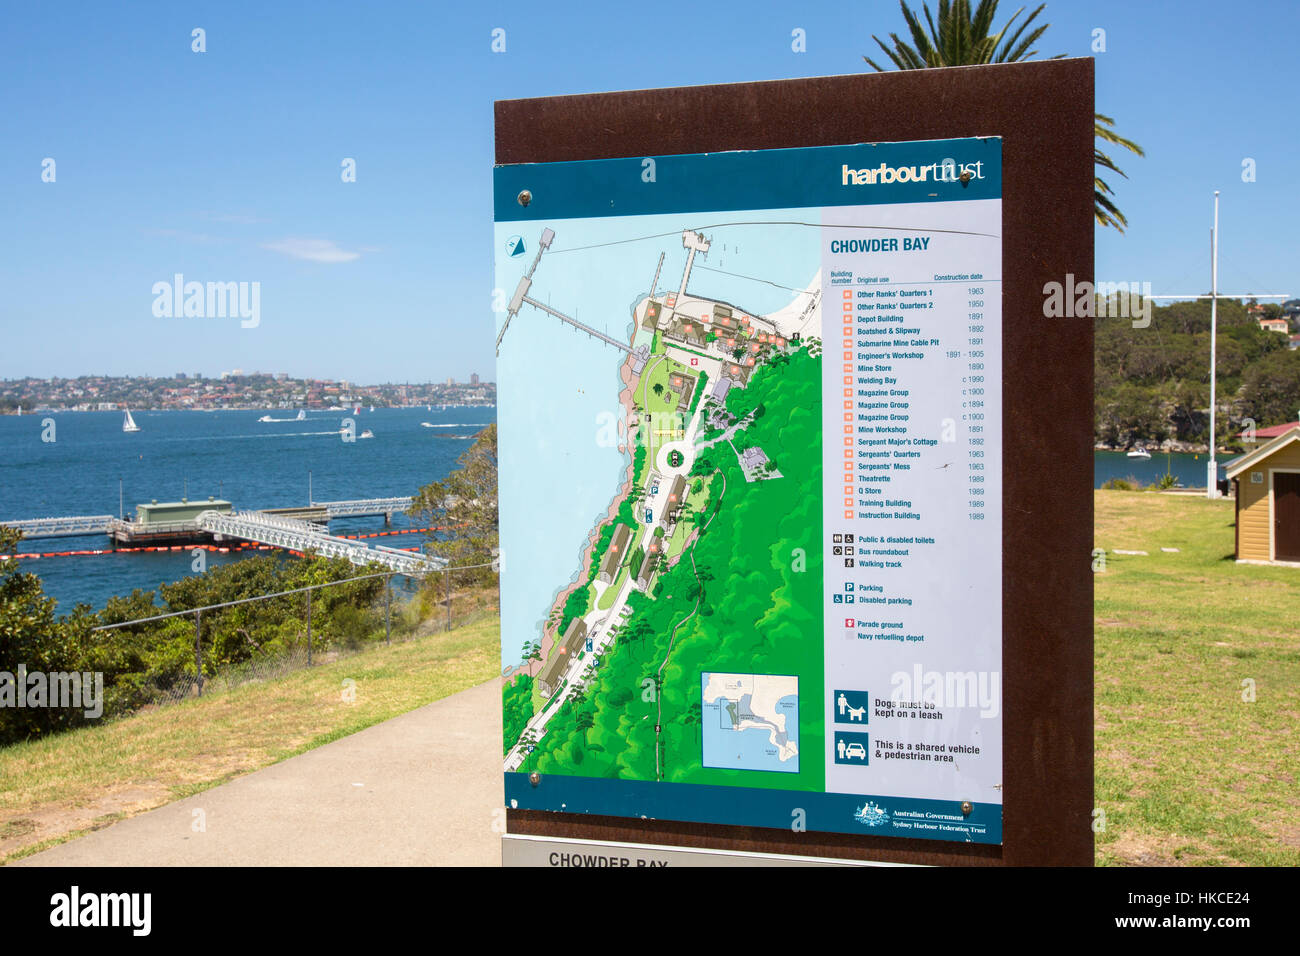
x,y
418,790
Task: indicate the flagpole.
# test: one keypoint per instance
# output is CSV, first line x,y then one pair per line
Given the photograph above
x,y
1212,466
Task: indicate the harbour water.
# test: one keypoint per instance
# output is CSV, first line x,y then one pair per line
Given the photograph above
x,y
224,454
230,454
1188,469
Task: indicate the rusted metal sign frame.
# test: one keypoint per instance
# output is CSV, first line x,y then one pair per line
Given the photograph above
x,y
1044,114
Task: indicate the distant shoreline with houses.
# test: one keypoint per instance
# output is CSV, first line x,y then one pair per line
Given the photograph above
x,y
230,391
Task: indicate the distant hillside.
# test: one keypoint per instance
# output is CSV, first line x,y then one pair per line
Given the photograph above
x,y
1153,384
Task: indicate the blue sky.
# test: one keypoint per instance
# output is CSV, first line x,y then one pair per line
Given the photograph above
x,y
225,165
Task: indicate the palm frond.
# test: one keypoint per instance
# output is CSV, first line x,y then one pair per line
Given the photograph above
x,y
1104,127
922,46
1107,213
1013,48
1105,162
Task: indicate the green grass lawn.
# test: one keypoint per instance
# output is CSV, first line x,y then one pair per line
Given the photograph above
x,y
1187,771
658,372
54,789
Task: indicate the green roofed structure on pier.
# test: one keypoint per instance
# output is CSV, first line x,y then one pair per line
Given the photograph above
x,y
166,512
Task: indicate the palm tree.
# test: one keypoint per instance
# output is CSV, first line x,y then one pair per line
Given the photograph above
x,y
962,38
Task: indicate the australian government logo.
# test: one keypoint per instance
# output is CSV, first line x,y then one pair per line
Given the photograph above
x,y
871,815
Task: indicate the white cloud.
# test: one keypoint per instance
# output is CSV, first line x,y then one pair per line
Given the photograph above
x,y
313,250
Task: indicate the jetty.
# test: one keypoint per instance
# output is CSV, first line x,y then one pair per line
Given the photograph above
x,y
185,522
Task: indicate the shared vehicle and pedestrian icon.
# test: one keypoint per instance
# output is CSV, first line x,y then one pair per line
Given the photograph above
x,y
852,749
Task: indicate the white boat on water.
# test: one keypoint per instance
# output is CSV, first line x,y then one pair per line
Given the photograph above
x,y
367,434
128,423
301,416
427,425
1140,452
372,409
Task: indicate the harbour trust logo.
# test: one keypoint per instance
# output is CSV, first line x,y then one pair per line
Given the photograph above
x,y
944,171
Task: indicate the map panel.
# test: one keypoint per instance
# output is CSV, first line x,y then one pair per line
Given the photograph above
x,y
750,432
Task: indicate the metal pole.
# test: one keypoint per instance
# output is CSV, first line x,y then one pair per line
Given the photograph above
x,y
448,575
198,648
1212,466
388,591
309,627
308,487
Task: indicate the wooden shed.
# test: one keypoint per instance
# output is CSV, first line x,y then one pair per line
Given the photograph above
x,y
1267,484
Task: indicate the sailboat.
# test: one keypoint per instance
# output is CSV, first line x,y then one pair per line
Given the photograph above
x,y
302,415
128,423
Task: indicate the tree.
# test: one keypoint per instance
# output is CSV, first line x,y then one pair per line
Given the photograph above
x,y
693,717
464,507
962,38
30,637
1272,388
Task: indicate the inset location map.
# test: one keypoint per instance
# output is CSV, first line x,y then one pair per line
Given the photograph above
x,y
751,722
